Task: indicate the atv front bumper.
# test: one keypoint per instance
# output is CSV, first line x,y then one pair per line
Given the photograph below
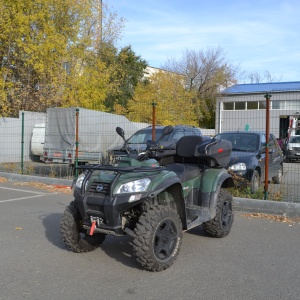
x,y
106,212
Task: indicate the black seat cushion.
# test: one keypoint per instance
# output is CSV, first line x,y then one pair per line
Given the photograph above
x,y
187,144
186,165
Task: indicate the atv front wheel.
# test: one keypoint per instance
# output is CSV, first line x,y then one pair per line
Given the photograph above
x,y
221,224
158,237
74,235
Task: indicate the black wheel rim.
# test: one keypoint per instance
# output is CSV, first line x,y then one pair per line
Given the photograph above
x,y
165,239
226,214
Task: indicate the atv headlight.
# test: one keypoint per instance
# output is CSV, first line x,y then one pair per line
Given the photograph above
x,y
134,186
238,167
80,180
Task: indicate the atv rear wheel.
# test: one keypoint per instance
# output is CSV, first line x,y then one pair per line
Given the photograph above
x,y
74,235
221,224
158,237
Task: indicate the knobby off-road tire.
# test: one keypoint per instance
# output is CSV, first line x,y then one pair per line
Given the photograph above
x,y
221,224
158,237
74,236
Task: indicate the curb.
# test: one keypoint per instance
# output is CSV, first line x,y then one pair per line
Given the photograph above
x,y
287,209
29,178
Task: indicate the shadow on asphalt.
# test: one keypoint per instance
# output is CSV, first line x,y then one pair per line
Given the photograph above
x,y
120,249
198,231
51,223
117,248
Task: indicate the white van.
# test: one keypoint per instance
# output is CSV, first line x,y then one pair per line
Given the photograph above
x,y
37,141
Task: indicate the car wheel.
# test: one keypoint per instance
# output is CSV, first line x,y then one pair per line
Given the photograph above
x,y
255,182
278,178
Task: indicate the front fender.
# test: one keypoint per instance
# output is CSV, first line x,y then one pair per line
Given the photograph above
x,y
162,183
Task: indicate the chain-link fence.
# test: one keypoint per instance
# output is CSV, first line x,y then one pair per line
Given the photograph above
x,y
51,144
48,144
248,112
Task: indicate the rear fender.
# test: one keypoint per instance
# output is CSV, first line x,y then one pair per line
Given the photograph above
x,y
210,184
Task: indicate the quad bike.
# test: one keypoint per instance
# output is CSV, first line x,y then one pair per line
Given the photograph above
x,y
152,197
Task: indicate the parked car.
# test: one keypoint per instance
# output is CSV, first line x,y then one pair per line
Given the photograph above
x,y
137,142
249,155
293,148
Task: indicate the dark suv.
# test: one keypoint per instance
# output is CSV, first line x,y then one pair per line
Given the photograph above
x,y
137,142
248,156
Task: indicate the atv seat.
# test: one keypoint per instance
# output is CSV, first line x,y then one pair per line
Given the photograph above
x,y
186,165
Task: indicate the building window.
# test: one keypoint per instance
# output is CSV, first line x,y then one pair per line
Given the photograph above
x,y
240,105
278,104
252,105
228,106
262,104
293,104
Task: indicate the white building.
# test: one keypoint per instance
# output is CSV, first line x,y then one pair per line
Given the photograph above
x,y
243,107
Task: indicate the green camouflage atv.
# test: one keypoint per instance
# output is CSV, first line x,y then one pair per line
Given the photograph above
x,y
152,197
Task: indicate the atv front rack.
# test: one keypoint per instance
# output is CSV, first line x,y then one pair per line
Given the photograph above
x,y
122,169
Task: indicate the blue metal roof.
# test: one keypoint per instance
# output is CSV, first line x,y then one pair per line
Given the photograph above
x,y
263,87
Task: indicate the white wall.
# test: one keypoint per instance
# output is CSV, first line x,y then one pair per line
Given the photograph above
x,y
11,135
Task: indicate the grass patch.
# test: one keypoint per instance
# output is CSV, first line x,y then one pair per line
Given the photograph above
x,y
39,169
241,189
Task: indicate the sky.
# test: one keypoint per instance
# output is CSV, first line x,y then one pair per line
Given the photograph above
x,y
257,35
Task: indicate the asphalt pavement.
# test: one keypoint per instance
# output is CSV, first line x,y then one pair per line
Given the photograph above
x,y
259,259
280,208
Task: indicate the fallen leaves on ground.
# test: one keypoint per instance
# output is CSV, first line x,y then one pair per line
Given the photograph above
x,y
3,179
49,188
275,218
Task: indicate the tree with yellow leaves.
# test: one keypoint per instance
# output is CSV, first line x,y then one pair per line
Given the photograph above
x,y
173,103
49,53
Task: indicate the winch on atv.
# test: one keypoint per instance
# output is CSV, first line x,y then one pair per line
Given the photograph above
x,y
153,197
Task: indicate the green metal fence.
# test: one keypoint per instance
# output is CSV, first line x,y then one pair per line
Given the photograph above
x,y
90,133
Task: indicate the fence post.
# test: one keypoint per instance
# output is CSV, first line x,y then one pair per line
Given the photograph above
x,y
267,96
22,145
76,142
153,120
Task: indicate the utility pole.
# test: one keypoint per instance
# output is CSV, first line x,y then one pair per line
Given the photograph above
x,y
153,120
268,97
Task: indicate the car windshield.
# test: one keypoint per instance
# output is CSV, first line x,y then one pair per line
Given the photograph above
x,y
241,142
295,139
142,136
